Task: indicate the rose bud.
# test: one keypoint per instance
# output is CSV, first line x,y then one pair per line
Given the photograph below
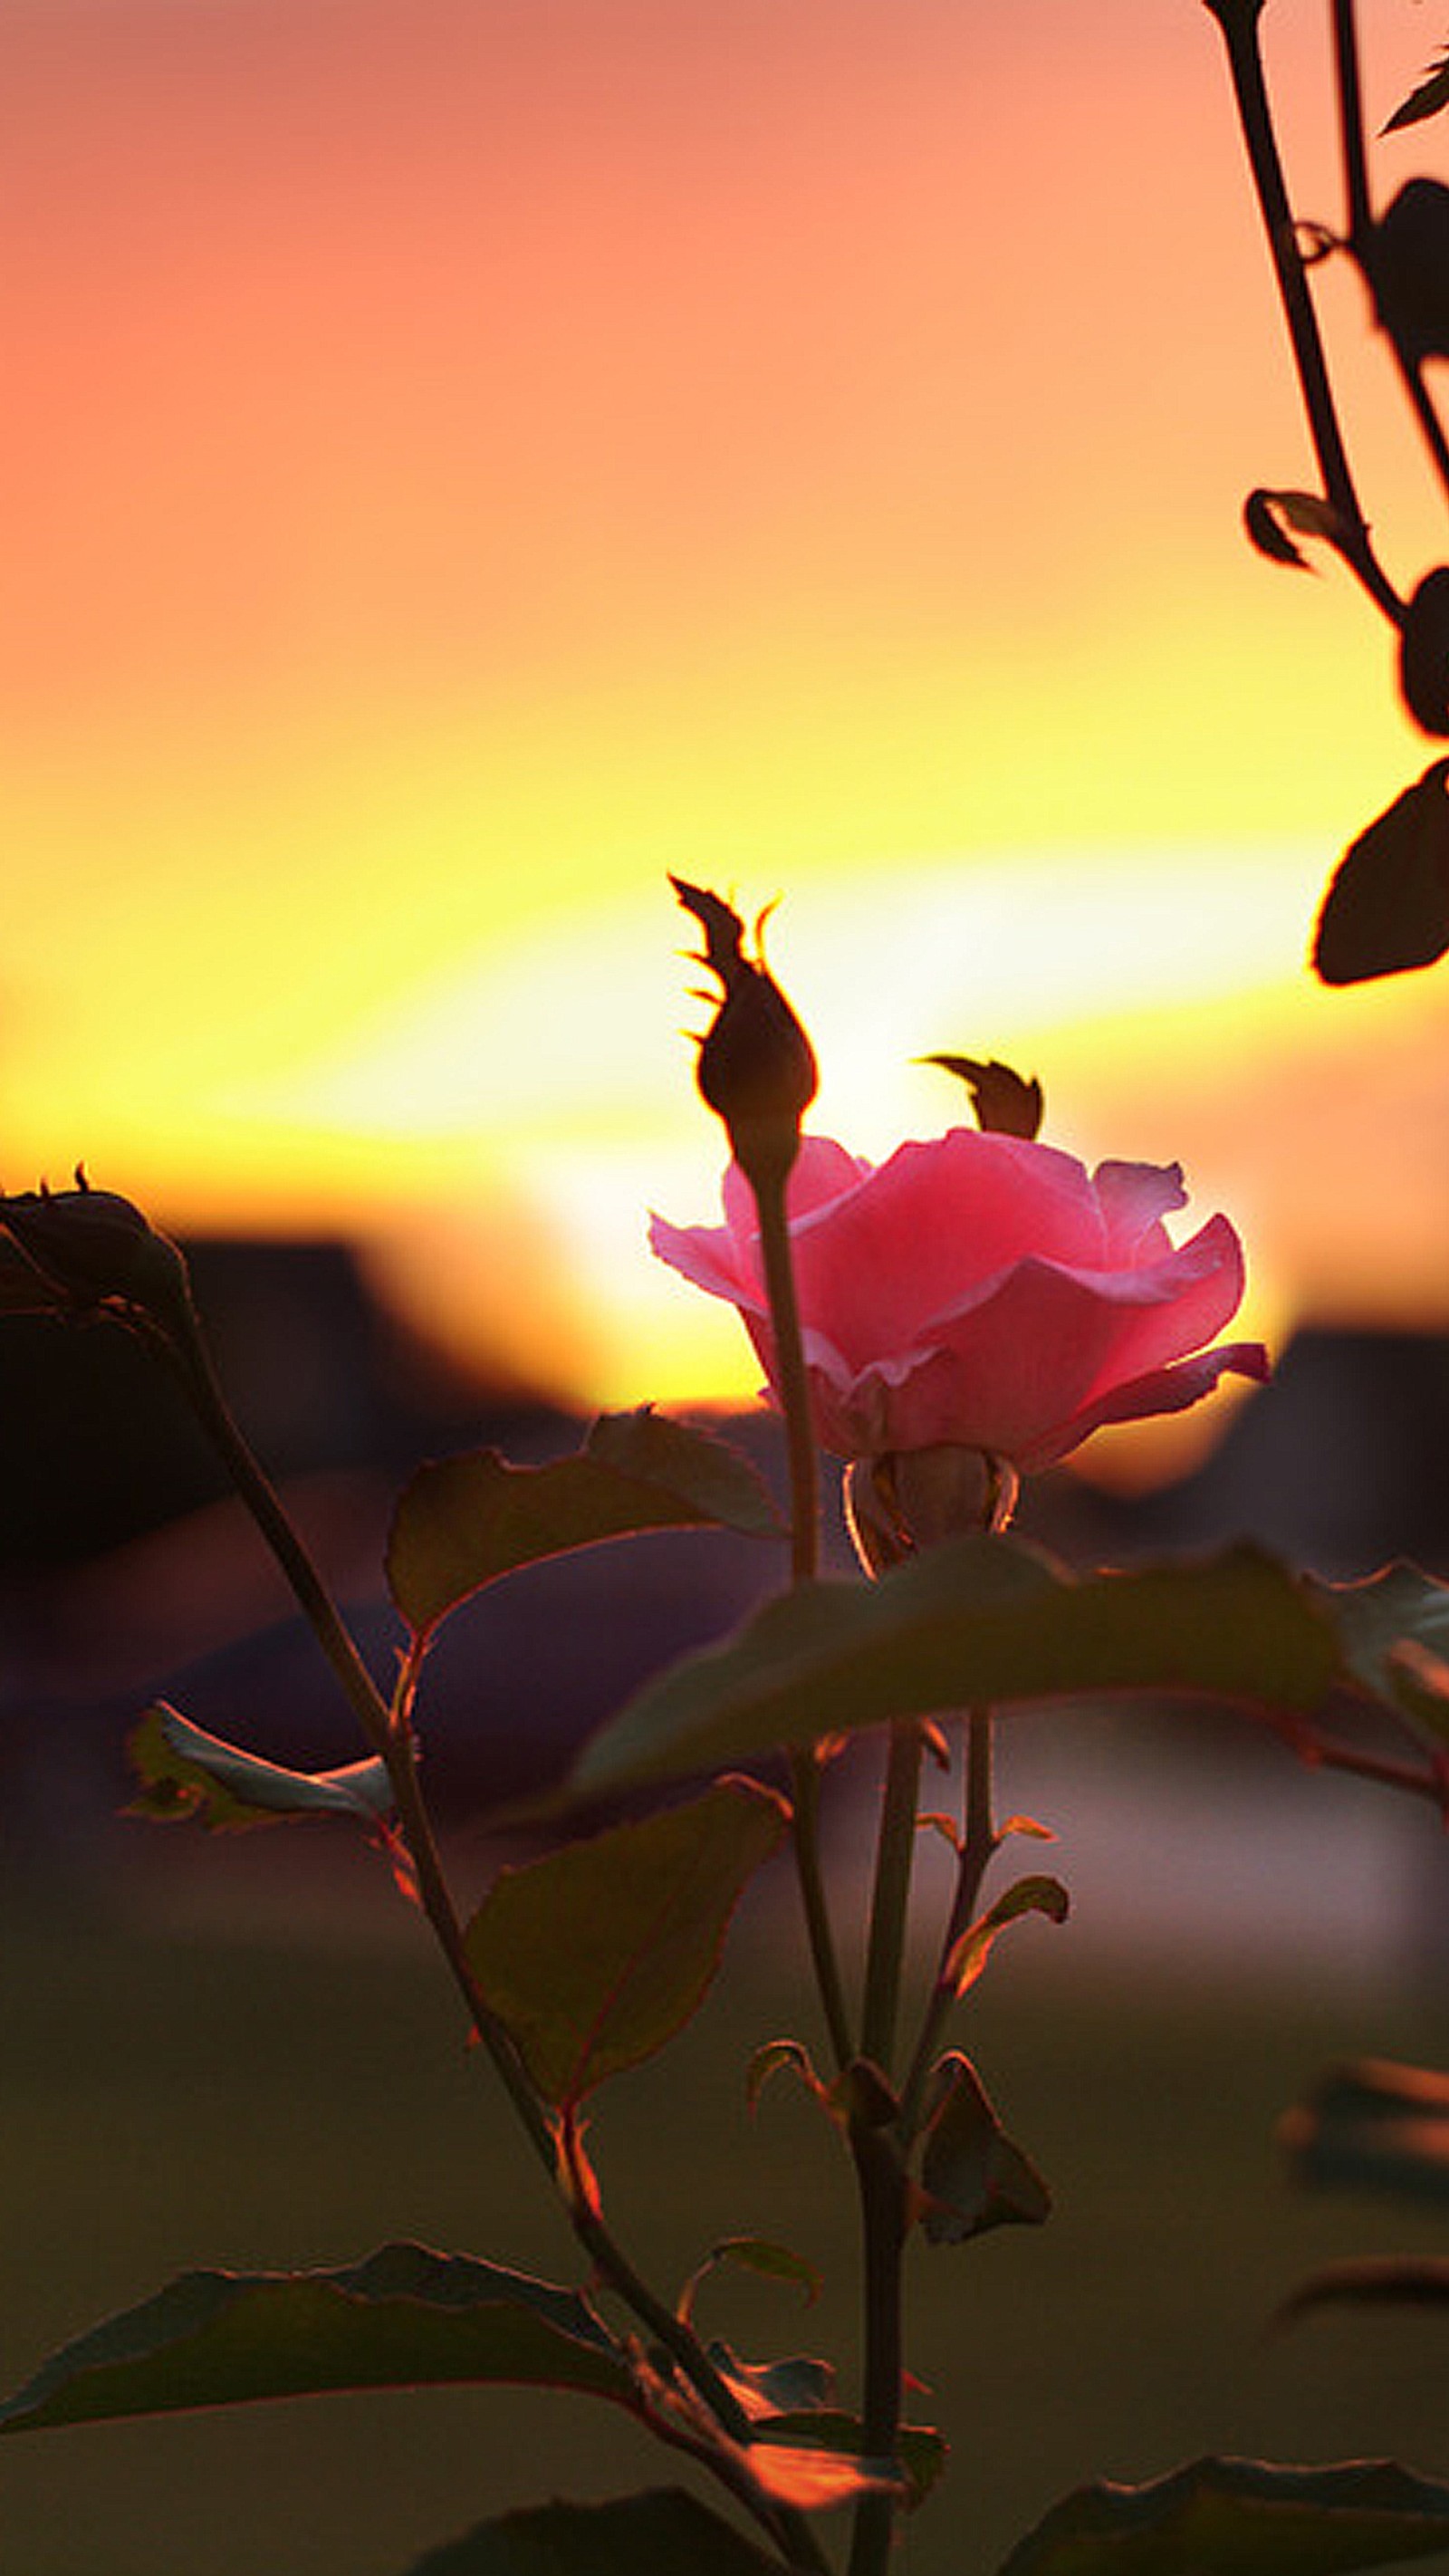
x,y
909,1498
85,1251
757,1068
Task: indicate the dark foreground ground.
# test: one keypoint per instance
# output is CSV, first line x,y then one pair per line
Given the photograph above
x,y
184,2085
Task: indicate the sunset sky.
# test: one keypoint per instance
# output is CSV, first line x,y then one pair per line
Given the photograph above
x,y
465,458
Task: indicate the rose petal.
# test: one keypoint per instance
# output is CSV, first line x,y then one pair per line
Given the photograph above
x,y
982,1290
1168,1307
1036,1346
822,1173
1164,1390
707,1255
1134,1198
1033,1349
894,1254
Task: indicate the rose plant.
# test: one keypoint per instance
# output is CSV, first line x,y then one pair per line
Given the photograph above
x,y
967,1312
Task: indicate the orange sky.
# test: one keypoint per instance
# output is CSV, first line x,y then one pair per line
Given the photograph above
x,y
465,457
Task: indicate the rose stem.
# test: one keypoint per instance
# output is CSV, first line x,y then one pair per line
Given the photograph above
x,y
393,1744
876,2149
794,1392
1239,22
880,2154
1350,125
880,2176
895,1852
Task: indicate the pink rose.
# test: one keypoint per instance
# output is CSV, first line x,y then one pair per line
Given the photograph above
x,y
984,1291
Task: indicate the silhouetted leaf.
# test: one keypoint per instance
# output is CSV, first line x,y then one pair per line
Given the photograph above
x,y
797,2385
777,2056
753,2254
1005,1103
1424,654
830,2438
1387,908
1374,2281
1394,1630
973,2175
462,1522
1035,1895
404,2318
801,2465
593,1956
1407,260
1431,95
186,1772
667,2533
1371,2125
1242,2518
1268,516
973,1621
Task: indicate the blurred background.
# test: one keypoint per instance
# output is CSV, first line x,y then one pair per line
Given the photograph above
x,y
463,460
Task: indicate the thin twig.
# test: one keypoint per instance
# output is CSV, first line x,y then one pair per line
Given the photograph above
x,y
1239,22
1351,126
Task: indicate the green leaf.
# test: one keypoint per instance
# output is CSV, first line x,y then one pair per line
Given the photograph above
x,y
594,1956
403,2318
667,2533
973,2175
1394,1630
463,1522
1034,1895
1431,95
1005,1103
974,1621
752,2254
186,1772
1387,908
1369,2125
1376,2281
1242,2518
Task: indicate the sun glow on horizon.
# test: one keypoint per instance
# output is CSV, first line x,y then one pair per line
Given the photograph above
x,y
497,1139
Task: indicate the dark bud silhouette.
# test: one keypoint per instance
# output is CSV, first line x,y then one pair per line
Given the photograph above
x,y
757,1068
1268,518
84,1252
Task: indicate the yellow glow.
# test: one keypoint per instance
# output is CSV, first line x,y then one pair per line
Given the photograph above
x,y
461,470
529,1110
